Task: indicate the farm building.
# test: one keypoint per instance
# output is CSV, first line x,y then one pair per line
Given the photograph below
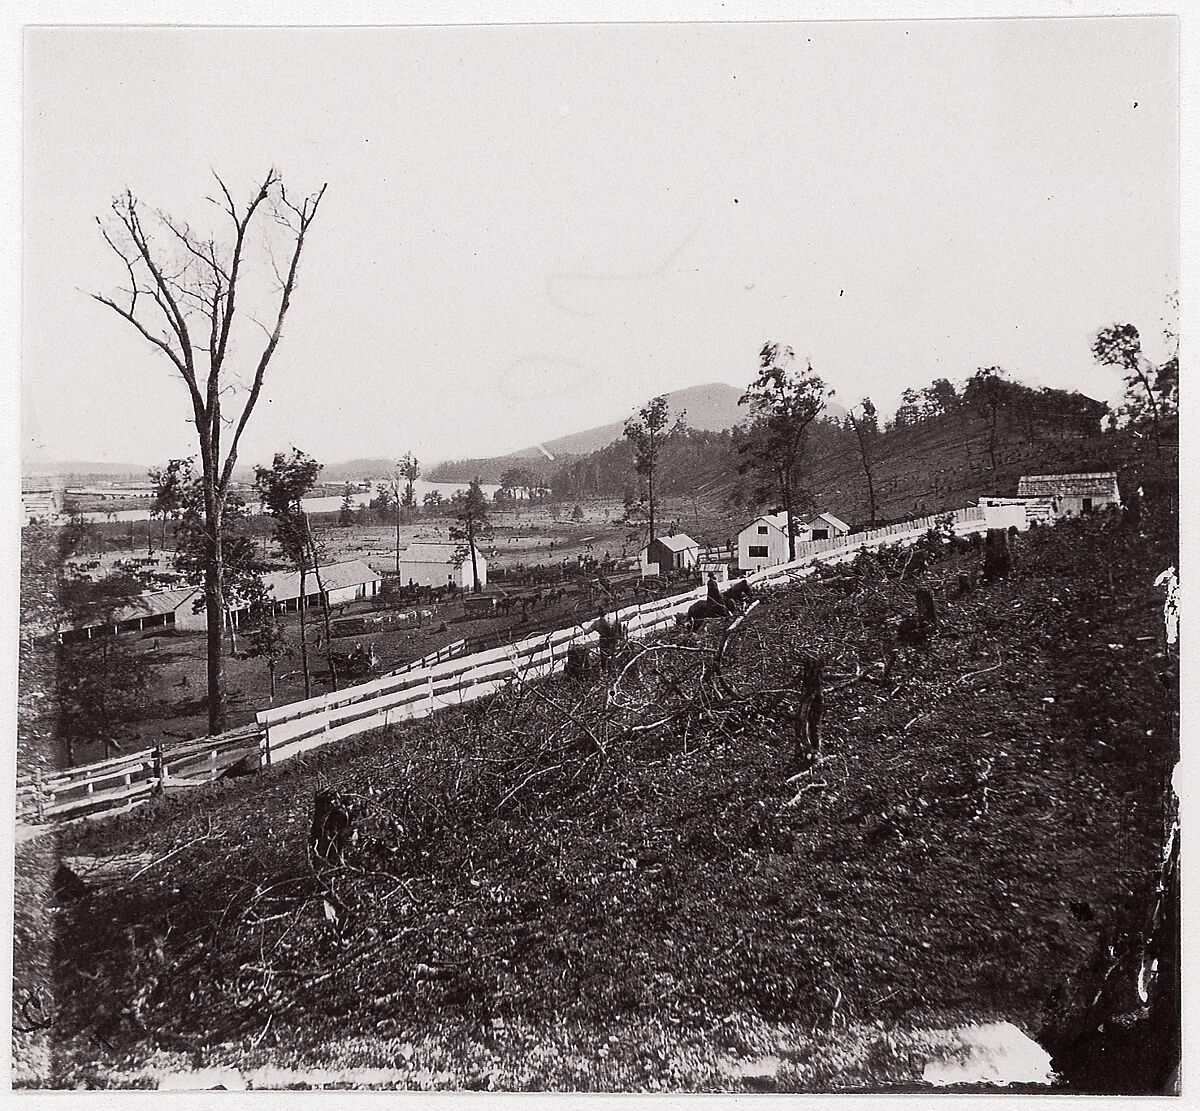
x,y
677,552
40,505
350,581
438,564
161,609
343,582
1072,494
1013,512
764,542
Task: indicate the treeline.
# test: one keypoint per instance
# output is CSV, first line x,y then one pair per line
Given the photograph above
x,y
693,460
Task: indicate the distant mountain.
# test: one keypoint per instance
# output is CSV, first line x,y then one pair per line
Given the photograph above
x,y
711,408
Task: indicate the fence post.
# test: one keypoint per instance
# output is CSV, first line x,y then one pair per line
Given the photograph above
x,y
39,802
265,746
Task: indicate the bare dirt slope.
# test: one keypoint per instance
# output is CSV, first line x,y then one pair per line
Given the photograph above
x,y
607,884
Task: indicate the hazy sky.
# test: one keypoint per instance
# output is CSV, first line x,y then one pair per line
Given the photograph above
x,y
528,230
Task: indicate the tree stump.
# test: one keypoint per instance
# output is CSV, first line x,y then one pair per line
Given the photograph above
x,y
997,557
966,584
806,724
577,661
332,826
926,611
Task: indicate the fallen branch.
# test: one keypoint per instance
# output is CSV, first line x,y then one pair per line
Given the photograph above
x,y
167,856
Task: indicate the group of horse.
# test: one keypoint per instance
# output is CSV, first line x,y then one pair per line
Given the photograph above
x,y
405,595
529,602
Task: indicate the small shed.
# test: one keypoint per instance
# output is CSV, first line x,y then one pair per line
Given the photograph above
x,y
436,564
677,552
1072,494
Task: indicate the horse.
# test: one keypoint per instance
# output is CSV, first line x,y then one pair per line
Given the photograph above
x,y
734,600
739,595
701,611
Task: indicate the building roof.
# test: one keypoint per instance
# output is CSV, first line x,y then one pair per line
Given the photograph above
x,y
779,521
676,542
285,585
1097,484
775,520
147,605
831,519
435,553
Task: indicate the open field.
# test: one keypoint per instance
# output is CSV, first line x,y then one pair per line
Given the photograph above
x,y
541,537
613,885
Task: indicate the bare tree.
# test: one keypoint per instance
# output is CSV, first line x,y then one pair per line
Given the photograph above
x,y
182,298
866,432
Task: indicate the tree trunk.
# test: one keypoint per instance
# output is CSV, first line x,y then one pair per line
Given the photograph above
x,y
271,673
997,559
791,523
304,633
232,632
474,563
807,721
650,499
214,604
325,615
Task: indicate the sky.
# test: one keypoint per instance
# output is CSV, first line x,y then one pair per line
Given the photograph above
x,y
529,230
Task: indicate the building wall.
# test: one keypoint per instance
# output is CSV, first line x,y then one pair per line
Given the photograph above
x,y
1005,514
437,574
774,541
656,558
189,622
354,593
1072,506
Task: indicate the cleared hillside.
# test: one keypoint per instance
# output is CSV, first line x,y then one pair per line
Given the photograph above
x,y
608,885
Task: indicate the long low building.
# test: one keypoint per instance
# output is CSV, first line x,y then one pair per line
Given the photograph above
x,y
349,581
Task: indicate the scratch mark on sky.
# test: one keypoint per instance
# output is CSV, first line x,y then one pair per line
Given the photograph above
x,y
597,279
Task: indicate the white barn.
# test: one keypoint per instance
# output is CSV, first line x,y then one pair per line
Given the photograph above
x,y
764,542
349,581
438,564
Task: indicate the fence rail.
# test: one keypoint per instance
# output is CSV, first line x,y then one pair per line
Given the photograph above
x,y
448,677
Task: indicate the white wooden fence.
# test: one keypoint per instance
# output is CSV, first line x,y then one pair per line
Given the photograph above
x,y
438,681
